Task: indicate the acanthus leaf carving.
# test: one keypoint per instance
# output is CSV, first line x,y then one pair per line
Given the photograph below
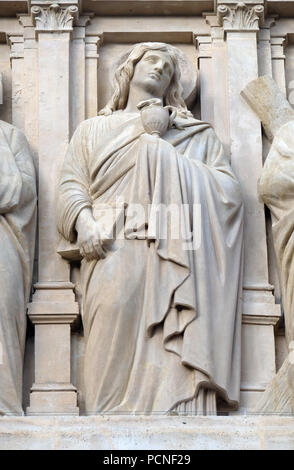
x,y
240,17
54,17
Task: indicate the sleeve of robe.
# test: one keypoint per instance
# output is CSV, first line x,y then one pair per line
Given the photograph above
x,y
18,194
276,188
18,204
11,182
74,184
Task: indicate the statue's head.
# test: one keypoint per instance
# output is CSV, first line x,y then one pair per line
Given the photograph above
x,y
153,66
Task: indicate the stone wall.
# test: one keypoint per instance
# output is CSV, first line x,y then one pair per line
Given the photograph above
x,y
56,73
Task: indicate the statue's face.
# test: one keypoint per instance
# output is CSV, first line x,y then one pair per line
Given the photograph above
x,y
153,72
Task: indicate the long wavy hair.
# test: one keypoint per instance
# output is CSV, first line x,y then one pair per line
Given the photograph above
x,y
125,72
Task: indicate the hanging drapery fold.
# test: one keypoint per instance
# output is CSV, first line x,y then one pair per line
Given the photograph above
x,y
161,313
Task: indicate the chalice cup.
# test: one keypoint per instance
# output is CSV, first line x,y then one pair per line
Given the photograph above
x,y
156,119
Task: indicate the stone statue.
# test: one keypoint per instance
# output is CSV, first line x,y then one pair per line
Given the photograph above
x,y
161,312
17,232
276,189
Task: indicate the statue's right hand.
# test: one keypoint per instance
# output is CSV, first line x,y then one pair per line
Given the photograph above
x,y
89,241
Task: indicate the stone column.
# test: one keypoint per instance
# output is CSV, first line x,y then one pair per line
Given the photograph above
x,y
30,84
241,24
264,47
92,45
203,44
218,81
278,61
16,43
78,73
264,52
53,308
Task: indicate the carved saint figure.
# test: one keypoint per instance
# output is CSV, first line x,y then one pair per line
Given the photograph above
x,y
276,187
161,317
17,234
276,184
276,190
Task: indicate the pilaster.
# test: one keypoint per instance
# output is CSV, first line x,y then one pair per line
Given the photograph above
x,y
203,44
16,43
30,84
264,47
241,23
278,44
78,73
218,80
53,308
93,43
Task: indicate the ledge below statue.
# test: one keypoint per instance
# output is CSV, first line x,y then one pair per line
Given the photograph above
x,y
142,432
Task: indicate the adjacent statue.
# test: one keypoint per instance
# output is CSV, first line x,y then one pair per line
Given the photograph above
x,y
161,312
276,184
17,233
276,189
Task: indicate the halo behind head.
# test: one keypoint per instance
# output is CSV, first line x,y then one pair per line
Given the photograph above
x,y
183,83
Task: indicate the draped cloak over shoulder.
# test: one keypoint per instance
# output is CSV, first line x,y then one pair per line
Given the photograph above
x,y
17,233
160,320
276,188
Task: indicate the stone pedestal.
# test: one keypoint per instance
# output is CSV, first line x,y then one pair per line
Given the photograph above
x,y
241,22
53,308
53,311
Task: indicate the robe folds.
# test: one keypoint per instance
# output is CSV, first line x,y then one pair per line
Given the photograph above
x,y
162,318
276,188
18,207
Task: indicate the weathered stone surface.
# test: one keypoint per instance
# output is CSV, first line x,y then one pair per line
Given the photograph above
x,y
18,210
269,103
278,397
137,432
57,59
145,151
276,187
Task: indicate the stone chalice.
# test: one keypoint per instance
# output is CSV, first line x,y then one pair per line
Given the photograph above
x,y
156,119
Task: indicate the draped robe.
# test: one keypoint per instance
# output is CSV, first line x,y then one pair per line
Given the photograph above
x,y
17,234
276,188
161,321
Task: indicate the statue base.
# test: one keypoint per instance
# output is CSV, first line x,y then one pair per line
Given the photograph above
x,y
147,432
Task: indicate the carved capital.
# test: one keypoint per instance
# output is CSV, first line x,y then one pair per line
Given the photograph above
x,y
53,303
240,17
216,30
264,33
54,17
203,44
16,43
93,44
278,44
